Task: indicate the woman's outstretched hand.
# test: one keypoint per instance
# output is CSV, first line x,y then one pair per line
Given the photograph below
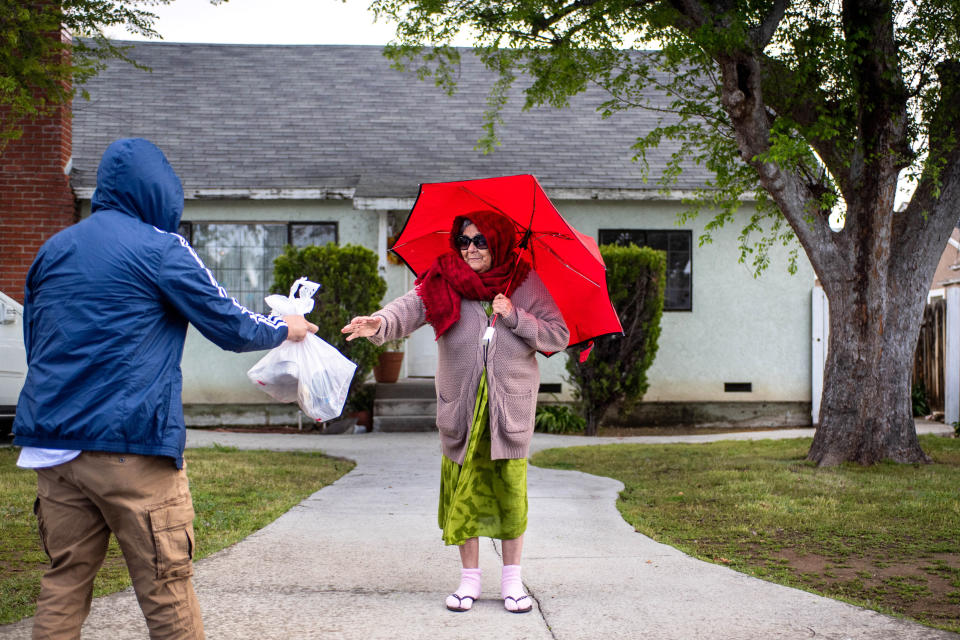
x,y
362,327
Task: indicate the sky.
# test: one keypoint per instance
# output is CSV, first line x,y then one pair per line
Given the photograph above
x,y
267,22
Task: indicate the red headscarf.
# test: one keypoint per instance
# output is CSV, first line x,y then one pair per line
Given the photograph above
x,y
450,278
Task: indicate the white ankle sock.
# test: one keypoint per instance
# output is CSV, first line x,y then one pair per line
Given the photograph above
x,y
511,586
469,589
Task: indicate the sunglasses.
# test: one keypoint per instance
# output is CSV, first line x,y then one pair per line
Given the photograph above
x,y
463,242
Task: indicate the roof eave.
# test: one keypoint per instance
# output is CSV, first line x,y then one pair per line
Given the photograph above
x,y
379,203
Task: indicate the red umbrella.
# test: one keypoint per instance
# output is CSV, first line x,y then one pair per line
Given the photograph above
x,y
567,261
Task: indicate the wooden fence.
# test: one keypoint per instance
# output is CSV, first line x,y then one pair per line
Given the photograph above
x,y
929,363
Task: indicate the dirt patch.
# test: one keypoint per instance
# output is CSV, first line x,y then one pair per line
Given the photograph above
x,y
926,589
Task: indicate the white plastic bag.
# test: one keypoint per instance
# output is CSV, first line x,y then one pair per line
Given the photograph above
x,y
310,372
298,303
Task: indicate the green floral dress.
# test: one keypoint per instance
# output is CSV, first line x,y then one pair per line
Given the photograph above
x,y
482,497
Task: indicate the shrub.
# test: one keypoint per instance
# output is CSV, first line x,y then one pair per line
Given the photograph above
x,y
616,369
918,396
558,418
350,285
362,398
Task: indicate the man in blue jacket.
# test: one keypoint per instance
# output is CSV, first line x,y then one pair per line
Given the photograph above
x,y
106,307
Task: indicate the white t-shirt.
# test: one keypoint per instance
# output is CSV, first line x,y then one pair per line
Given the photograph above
x,y
37,458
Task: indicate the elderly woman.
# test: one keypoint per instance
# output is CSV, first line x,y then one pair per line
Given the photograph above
x,y
487,381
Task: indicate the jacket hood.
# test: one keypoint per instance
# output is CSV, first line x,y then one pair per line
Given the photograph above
x,y
135,178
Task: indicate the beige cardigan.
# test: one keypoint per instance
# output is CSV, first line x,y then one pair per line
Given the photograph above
x,y
512,374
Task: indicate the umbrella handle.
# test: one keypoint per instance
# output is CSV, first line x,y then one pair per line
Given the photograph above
x,y
523,247
488,334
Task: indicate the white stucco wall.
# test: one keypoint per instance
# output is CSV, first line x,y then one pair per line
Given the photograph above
x,y
741,329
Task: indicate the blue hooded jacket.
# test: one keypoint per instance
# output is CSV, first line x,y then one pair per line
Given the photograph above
x,y
106,307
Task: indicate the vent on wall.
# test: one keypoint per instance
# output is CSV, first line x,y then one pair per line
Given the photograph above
x,y
735,387
550,387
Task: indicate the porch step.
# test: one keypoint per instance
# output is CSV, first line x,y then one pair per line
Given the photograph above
x,y
395,424
407,388
406,405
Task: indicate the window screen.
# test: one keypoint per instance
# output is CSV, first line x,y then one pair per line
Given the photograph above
x,y
241,255
678,295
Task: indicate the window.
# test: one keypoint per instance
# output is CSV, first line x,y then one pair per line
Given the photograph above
x,y
678,295
241,255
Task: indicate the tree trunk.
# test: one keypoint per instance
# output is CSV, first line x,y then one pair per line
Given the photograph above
x,y
877,271
876,274
593,419
866,411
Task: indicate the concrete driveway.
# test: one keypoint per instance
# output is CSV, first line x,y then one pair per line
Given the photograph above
x,y
363,559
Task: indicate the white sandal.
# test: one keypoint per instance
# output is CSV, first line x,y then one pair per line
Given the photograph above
x,y
517,607
458,606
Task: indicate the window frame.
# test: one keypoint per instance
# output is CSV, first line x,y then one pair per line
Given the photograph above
x,y
289,223
689,236
188,226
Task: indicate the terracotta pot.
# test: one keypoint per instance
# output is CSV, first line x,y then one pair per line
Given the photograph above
x,y
388,368
364,418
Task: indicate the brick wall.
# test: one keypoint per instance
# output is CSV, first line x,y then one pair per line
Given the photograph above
x,y
35,196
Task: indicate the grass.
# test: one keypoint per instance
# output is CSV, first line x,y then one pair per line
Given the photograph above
x,y
234,494
885,537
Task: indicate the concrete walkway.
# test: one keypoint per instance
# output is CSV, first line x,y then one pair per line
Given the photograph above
x,y
363,559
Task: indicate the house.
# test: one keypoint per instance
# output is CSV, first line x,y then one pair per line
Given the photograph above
x,y
282,145
936,370
948,269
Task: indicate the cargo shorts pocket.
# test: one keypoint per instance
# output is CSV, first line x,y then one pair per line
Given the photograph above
x,y
172,527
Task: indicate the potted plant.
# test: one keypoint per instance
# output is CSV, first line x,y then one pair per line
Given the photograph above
x,y
387,368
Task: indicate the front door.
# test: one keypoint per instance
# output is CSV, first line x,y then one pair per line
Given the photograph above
x,y
422,353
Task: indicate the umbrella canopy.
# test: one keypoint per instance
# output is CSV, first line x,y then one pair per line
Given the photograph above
x,y
567,261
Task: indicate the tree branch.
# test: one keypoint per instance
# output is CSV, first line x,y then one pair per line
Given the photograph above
x,y
541,23
882,117
762,34
743,97
935,200
804,105
692,15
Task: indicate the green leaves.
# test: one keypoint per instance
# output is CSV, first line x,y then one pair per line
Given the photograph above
x,y
40,68
828,87
616,370
558,418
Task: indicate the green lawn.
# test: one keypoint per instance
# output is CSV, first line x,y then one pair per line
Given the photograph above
x,y
885,537
234,494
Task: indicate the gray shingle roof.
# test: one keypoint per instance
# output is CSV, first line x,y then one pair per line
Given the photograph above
x,y
338,117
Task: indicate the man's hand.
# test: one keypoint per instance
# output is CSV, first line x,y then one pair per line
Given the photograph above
x,y
362,327
297,327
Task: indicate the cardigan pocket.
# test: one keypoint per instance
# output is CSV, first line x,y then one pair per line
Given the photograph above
x,y
448,421
517,410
